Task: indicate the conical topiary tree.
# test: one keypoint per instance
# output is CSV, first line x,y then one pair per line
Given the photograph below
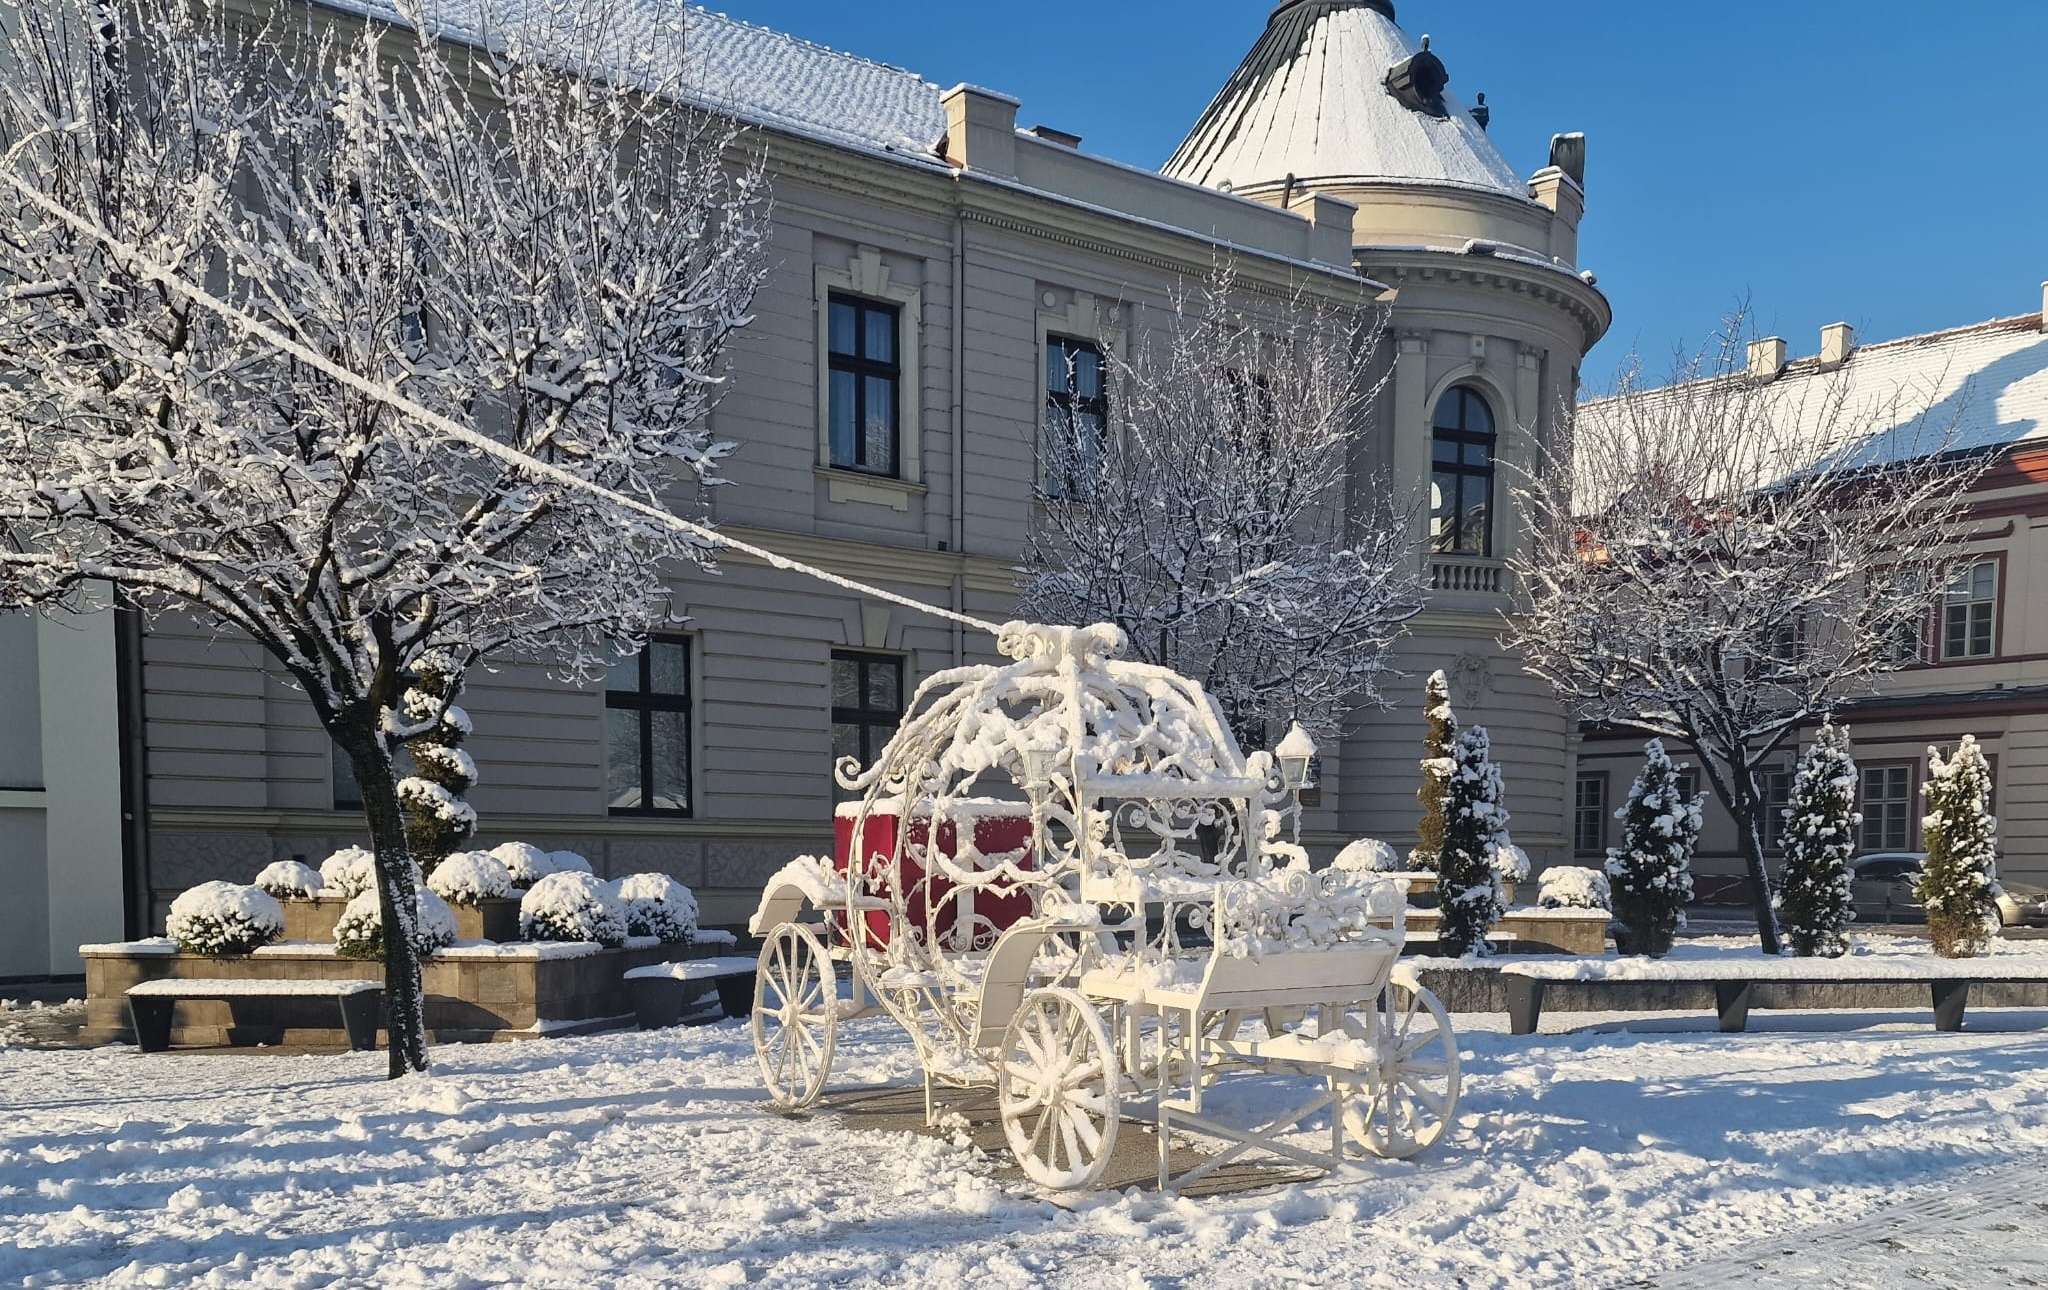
x,y
1651,872
1436,770
1958,886
1813,899
438,821
1470,899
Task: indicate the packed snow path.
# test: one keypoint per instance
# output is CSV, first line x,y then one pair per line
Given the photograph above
x,y
645,1159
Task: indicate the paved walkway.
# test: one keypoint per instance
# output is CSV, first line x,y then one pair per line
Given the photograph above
x,y
1984,1232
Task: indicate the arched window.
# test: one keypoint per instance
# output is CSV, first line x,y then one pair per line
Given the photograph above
x,y
1461,474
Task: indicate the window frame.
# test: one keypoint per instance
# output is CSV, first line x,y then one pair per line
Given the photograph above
x,y
1992,606
1066,404
1599,813
1463,473
1776,804
646,701
864,718
864,369
1864,844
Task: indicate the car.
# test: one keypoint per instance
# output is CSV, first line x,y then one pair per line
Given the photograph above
x,y
1882,883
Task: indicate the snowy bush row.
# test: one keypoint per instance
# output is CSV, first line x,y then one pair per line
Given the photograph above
x,y
359,932
222,918
351,871
576,906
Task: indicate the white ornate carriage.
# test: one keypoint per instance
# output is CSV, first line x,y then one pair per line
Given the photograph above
x,y
1064,879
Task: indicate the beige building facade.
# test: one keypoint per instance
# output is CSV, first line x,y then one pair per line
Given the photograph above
x,y
933,260
1982,667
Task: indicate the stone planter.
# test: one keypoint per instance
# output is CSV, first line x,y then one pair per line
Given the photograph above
x,y
1533,931
1422,888
491,920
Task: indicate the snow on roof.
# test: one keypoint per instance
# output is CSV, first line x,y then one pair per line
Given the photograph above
x,y
763,76
1966,389
1311,101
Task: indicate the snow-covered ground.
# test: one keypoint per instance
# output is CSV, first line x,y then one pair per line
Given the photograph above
x,y
1592,1157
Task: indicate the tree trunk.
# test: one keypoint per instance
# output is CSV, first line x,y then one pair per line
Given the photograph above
x,y
404,993
1748,809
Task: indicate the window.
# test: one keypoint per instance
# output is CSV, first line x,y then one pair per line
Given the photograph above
x,y
1589,814
348,794
1076,416
1887,808
867,704
866,378
1688,783
647,731
1969,613
1461,476
1777,796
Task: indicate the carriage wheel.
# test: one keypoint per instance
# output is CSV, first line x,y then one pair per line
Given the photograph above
x,y
796,1015
1407,1102
1057,1088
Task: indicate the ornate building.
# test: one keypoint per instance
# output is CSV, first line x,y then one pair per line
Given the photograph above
x,y
929,258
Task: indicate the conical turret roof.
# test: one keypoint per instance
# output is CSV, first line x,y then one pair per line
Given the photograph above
x,y
1312,100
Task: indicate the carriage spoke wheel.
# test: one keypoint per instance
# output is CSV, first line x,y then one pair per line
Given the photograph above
x,y
1407,1101
1057,1090
796,1015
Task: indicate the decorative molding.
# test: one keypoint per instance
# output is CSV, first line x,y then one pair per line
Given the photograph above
x,y
335,823
867,274
875,490
23,799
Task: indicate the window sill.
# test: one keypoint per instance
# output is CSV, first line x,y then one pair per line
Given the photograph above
x,y
873,490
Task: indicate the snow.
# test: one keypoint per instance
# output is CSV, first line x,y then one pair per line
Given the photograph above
x,y
204,987
349,872
1594,1158
658,906
697,969
224,918
359,932
470,877
1569,887
1870,959
573,907
1367,855
527,863
290,879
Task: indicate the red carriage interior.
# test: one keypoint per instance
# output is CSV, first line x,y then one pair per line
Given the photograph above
x,y
995,837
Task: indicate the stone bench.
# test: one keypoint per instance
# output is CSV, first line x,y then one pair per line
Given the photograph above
x,y
664,993
151,1004
1735,981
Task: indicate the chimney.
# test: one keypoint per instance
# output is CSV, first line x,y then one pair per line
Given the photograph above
x,y
2044,307
1837,343
1767,358
981,130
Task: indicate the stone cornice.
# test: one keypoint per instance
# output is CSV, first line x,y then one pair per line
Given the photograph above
x,y
1558,287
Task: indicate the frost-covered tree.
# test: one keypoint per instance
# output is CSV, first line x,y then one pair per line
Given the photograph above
x,y
1470,899
476,230
1723,560
438,817
1441,728
1958,883
1813,900
1209,505
1650,873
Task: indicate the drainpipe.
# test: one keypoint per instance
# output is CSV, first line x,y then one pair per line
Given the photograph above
x,y
959,534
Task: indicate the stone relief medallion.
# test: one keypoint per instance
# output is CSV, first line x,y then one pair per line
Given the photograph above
x,y
1471,678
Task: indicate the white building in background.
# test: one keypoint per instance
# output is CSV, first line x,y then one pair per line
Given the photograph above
x,y
139,758
1982,667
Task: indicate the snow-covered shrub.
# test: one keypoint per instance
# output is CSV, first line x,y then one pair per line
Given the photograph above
x,y
1958,885
572,907
359,932
438,819
349,872
223,918
1813,901
1469,896
1367,855
568,862
527,863
1437,763
658,905
1510,862
470,878
1568,887
1651,871
289,879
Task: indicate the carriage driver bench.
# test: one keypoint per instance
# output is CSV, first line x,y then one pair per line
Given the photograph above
x,y
152,1003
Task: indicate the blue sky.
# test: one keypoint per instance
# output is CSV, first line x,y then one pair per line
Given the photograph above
x,y
1881,162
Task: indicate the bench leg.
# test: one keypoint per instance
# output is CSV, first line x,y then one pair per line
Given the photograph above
x,y
151,1019
1950,998
360,1013
1525,1004
1731,1004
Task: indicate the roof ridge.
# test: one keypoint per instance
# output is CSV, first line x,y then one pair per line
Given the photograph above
x,y
2012,323
794,39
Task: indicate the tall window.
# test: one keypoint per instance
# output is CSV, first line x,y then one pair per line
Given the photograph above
x,y
1461,476
1969,614
1777,796
1589,814
867,703
348,794
1076,416
866,375
1887,808
647,731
